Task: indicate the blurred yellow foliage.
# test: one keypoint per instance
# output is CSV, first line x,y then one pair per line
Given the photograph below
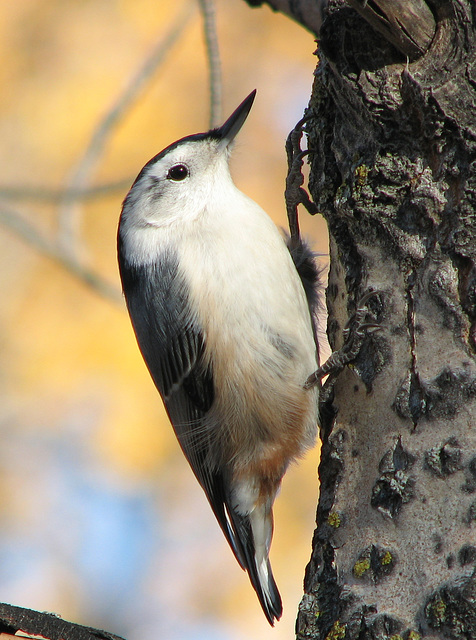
x,y
71,376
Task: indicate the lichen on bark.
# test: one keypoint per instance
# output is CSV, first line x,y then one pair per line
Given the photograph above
x,y
393,171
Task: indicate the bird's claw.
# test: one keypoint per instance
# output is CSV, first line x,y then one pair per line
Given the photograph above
x,y
294,193
354,335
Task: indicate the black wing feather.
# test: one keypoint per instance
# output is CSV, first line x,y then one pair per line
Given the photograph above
x,y
272,605
172,346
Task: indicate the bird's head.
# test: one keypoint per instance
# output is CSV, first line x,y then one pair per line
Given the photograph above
x,y
183,179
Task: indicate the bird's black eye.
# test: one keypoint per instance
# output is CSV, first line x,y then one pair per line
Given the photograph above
x,y
177,172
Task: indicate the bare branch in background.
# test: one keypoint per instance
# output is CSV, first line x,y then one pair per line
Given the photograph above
x,y
14,221
207,9
68,214
24,193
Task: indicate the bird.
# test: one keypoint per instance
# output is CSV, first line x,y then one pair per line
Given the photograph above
x,y
224,313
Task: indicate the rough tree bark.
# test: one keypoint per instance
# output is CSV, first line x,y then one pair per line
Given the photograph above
x,y
27,623
393,171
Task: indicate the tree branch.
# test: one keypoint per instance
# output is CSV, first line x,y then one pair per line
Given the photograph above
x,y
207,9
25,193
409,26
14,221
47,625
308,13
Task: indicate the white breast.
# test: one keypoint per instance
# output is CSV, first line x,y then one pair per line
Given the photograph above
x,y
258,331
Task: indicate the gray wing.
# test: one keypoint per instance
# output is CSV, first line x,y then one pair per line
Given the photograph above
x,y
172,346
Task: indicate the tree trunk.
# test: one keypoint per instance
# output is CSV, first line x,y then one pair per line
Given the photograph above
x,y
393,171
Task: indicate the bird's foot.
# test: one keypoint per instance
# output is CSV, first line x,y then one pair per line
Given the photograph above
x,y
354,334
294,193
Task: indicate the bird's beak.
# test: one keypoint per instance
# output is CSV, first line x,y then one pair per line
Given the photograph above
x,y
228,131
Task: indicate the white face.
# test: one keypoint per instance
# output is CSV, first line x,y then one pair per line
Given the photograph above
x,y
176,186
186,181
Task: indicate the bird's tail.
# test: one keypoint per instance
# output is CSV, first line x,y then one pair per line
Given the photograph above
x,y
252,535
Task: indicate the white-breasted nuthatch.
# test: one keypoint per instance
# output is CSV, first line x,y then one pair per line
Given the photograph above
x,y
224,318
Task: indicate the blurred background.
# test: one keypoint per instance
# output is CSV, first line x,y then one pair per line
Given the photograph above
x,y
101,520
